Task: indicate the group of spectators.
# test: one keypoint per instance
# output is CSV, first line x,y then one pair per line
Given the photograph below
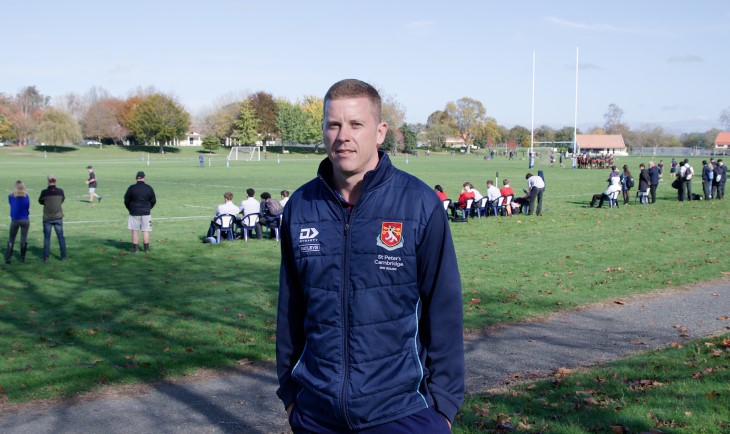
x,y
139,200
509,203
714,176
253,213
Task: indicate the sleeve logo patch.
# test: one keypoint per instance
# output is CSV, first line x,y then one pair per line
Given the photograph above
x,y
391,236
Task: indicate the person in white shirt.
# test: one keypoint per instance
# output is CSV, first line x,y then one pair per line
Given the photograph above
x,y
477,196
535,187
284,197
251,208
228,207
493,192
606,195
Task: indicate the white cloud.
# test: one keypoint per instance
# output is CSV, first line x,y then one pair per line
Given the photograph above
x,y
686,58
592,26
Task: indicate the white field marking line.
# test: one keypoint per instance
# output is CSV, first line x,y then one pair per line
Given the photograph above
x,y
196,217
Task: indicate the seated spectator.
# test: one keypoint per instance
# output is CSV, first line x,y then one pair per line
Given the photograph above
x,y
477,195
228,207
493,193
466,194
250,205
520,202
440,193
614,174
269,213
600,197
505,191
284,197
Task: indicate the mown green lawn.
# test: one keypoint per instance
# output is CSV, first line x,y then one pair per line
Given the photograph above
x,y
106,316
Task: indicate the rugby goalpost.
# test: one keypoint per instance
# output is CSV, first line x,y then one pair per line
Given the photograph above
x,y
245,153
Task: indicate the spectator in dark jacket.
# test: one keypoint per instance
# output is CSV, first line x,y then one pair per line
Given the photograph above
x,y
51,198
644,184
718,185
707,175
654,175
139,200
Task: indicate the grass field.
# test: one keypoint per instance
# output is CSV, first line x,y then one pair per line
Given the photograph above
x,y
106,316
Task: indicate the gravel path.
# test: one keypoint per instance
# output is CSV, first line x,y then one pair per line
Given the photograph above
x,y
244,400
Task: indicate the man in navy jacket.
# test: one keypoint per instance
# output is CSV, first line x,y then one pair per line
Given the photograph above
x,y
369,328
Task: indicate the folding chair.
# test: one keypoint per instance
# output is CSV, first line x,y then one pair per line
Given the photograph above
x,y
223,224
482,207
467,209
248,224
504,203
273,227
613,199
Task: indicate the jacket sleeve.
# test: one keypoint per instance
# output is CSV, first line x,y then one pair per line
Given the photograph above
x,y
441,325
153,198
290,320
127,199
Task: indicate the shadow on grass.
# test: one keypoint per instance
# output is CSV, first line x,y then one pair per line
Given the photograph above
x,y
109,317
151,149
54,148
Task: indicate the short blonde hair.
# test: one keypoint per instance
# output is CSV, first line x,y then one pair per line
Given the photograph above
x,y
19,189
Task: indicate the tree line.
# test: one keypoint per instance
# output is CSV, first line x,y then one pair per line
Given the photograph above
x,y
151,117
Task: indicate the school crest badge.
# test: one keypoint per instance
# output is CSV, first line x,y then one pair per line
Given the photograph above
x,y
391,235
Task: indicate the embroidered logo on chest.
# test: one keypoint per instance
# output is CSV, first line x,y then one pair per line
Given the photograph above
x,y
391,236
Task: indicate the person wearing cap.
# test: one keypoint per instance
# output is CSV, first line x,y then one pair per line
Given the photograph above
x,y
91,182
51,198
139,200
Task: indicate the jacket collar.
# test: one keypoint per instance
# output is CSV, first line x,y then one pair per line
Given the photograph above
x,y
372,179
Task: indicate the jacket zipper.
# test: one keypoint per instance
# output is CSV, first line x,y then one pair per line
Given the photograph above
x,y
346,321
346,216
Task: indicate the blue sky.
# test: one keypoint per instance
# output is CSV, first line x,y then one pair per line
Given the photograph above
x,y
664,63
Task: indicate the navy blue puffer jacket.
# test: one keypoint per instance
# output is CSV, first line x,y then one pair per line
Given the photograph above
x,y
369,327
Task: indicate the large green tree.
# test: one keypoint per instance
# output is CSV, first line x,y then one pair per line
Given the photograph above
x,y
57,127
6,128
158,118
410,141
291,120
245,128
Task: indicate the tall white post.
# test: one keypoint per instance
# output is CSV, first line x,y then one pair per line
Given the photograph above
x,y
575,120
532,122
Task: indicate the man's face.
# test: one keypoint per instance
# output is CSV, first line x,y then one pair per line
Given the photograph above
x,y
352,134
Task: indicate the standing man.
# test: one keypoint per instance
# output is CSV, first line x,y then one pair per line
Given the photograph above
x,y
201,160
51,198
91,182
707,175
535,188
720,179
369,329
654,176
139,200
688,174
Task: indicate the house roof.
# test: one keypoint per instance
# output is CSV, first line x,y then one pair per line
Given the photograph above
x,y
723,139
600,141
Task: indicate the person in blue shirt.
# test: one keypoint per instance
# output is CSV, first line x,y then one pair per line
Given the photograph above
x,y
19,219
369,332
